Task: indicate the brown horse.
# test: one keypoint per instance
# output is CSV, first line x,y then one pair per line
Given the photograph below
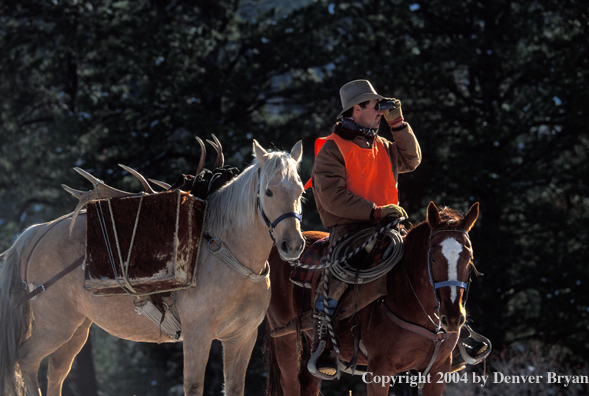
x,y
223,305
415,326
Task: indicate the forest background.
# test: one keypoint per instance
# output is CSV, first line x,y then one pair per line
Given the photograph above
x,y
495,90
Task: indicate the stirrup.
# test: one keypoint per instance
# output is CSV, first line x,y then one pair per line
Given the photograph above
x,y
326,373
479,352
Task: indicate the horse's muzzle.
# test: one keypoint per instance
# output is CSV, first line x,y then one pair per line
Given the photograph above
x,y
453,324
290,250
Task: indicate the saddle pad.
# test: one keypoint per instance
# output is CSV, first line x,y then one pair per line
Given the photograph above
x,y
303,277
164,241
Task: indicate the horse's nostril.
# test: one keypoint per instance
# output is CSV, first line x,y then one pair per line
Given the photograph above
x,y
444,320
284,246
462,320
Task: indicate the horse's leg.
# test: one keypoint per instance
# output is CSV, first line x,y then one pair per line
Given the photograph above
x,y
310,384
60,361
197,346
293,382
373,389
46,338
285,357
236,356
435,387
378,365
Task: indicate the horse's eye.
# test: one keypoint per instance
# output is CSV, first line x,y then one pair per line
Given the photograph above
x,y
269,193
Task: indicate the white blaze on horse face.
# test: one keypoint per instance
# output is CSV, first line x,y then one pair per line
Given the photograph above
x,y
451,250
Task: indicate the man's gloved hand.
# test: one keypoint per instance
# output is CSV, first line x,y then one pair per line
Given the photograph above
x,y
393,210
394,114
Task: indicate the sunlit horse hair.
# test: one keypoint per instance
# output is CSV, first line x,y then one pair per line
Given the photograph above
x,y
17,319
233,209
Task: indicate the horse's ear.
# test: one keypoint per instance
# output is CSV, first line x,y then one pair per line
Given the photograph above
x,y
297,151
471,217
433,215
260,153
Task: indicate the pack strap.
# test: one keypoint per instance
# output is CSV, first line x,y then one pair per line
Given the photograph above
x,y
43,287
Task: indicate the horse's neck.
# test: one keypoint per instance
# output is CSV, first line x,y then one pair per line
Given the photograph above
x,y
411,290
250,246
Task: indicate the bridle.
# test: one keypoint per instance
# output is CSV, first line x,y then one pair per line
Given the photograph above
x,y
437,285
272,225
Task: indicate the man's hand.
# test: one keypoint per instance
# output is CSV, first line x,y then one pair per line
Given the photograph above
x,y
394,114
393,210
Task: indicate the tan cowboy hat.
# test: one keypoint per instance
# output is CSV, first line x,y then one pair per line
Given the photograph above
x,y
356,92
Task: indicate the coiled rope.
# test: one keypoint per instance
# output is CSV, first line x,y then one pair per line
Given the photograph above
x,y
348,274
340,252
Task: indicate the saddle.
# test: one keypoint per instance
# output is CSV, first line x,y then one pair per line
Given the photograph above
x,y
308,274
310,261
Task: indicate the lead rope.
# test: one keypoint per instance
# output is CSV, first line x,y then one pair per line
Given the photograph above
x,y
102,222
125,264
327,316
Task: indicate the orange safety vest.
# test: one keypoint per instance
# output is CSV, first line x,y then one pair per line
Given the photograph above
x,y
368,171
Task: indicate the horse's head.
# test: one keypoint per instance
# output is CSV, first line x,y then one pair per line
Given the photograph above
x,y
279,198
450,262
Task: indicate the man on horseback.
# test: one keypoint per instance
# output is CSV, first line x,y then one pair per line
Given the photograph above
x,y
355,185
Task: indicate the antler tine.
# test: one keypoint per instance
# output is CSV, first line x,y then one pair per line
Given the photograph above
x,y
101,190
139,177
203,152
160,183
219,149
88,176
81,195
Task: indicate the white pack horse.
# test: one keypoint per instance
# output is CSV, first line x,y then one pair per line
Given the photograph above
x,y
224,305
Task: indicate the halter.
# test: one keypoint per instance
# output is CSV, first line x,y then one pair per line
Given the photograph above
x,y
272,225
448,283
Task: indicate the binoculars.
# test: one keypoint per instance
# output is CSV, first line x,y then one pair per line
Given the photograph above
x,y
385,104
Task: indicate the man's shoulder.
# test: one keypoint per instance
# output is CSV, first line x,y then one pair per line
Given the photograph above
x,y
386,142
329,148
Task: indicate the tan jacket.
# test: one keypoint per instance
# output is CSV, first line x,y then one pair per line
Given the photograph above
x,y
336,204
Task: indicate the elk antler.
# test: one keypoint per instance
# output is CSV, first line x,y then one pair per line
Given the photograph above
x,y
162,184
201,165
101,190
219,149
203,154
139,177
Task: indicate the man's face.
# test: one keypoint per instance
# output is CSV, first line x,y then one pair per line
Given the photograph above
x,y
367,117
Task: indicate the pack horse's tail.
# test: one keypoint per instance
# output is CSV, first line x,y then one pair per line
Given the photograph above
x,y
16,318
